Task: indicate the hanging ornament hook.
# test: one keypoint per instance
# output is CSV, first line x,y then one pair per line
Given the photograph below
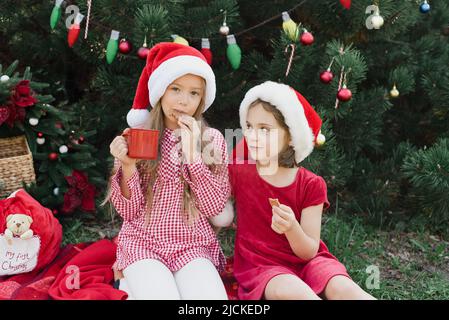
x,y
224,14
330,64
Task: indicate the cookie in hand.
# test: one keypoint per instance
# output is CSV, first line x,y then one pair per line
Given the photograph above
x,y
274,202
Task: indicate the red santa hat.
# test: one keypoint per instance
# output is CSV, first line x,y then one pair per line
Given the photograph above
x,y
166,62
303,121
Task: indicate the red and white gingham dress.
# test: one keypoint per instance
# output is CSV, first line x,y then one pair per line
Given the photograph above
x,y
167,237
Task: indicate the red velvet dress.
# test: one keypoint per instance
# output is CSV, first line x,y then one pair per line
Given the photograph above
x,y
261,253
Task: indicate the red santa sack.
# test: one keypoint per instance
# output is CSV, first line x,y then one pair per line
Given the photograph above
x,y
47,233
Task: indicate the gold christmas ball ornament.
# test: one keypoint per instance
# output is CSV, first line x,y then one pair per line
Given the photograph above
x,y
394,93
320,139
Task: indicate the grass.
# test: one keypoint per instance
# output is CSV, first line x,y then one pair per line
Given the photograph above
x,y
411,265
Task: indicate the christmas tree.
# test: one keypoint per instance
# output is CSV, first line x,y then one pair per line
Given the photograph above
x,y
63,162
373,70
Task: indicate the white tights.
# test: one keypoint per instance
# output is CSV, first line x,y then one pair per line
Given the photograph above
x,y
150,279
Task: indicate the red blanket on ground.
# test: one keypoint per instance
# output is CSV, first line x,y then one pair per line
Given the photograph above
x,y
82,272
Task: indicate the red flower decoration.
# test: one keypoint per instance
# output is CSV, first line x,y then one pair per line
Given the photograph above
x,y
10,114
80,194
4,114
22,95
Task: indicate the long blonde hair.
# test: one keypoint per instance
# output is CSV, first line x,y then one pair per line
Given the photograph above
x,y
150,167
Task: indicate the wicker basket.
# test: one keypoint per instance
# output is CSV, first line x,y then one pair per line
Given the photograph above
x,y
16,164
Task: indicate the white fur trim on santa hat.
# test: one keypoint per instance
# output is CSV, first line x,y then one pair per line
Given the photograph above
x,y
285,100
175,67
137,118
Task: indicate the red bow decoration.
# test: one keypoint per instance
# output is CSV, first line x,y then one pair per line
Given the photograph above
x,y
81,193
346,3
22,95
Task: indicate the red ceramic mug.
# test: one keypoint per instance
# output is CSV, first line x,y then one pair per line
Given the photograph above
x,y
142,143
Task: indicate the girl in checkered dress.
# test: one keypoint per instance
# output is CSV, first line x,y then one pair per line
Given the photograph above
x,y
167,248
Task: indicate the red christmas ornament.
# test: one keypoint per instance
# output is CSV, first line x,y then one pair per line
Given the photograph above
x,y
59,125
125,46
142,53
344,94
53,156
40,134
326,76
205,50
81,139
307,38
346,3
207,53
55,212
74,30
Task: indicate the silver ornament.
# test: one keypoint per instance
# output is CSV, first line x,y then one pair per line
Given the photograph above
x,y
4,78
224,29
63,149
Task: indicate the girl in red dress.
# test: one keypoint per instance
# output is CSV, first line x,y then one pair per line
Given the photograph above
x,y
278,251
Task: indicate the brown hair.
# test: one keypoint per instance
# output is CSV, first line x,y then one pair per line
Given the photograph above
x,y
149,167
287,154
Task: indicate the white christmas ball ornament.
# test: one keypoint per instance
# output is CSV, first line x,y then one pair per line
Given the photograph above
x,y
4,78
377,21
40,140
56,191
224,30
63,149
33,121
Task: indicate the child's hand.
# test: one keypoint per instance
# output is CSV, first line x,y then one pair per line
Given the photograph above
x,y
283,219
190,138
119,149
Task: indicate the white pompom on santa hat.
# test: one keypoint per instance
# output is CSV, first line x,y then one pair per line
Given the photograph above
x,y
303,121
166,62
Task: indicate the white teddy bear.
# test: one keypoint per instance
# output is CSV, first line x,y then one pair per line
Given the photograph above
x,y
18,225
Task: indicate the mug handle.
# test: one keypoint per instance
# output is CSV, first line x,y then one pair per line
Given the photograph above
x,y
126,132
127,136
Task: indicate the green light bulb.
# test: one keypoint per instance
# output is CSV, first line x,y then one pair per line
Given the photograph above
x,y
233,52
55,13
112,48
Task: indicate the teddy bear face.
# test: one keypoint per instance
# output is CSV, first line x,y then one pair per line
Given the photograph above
x,y
18,223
